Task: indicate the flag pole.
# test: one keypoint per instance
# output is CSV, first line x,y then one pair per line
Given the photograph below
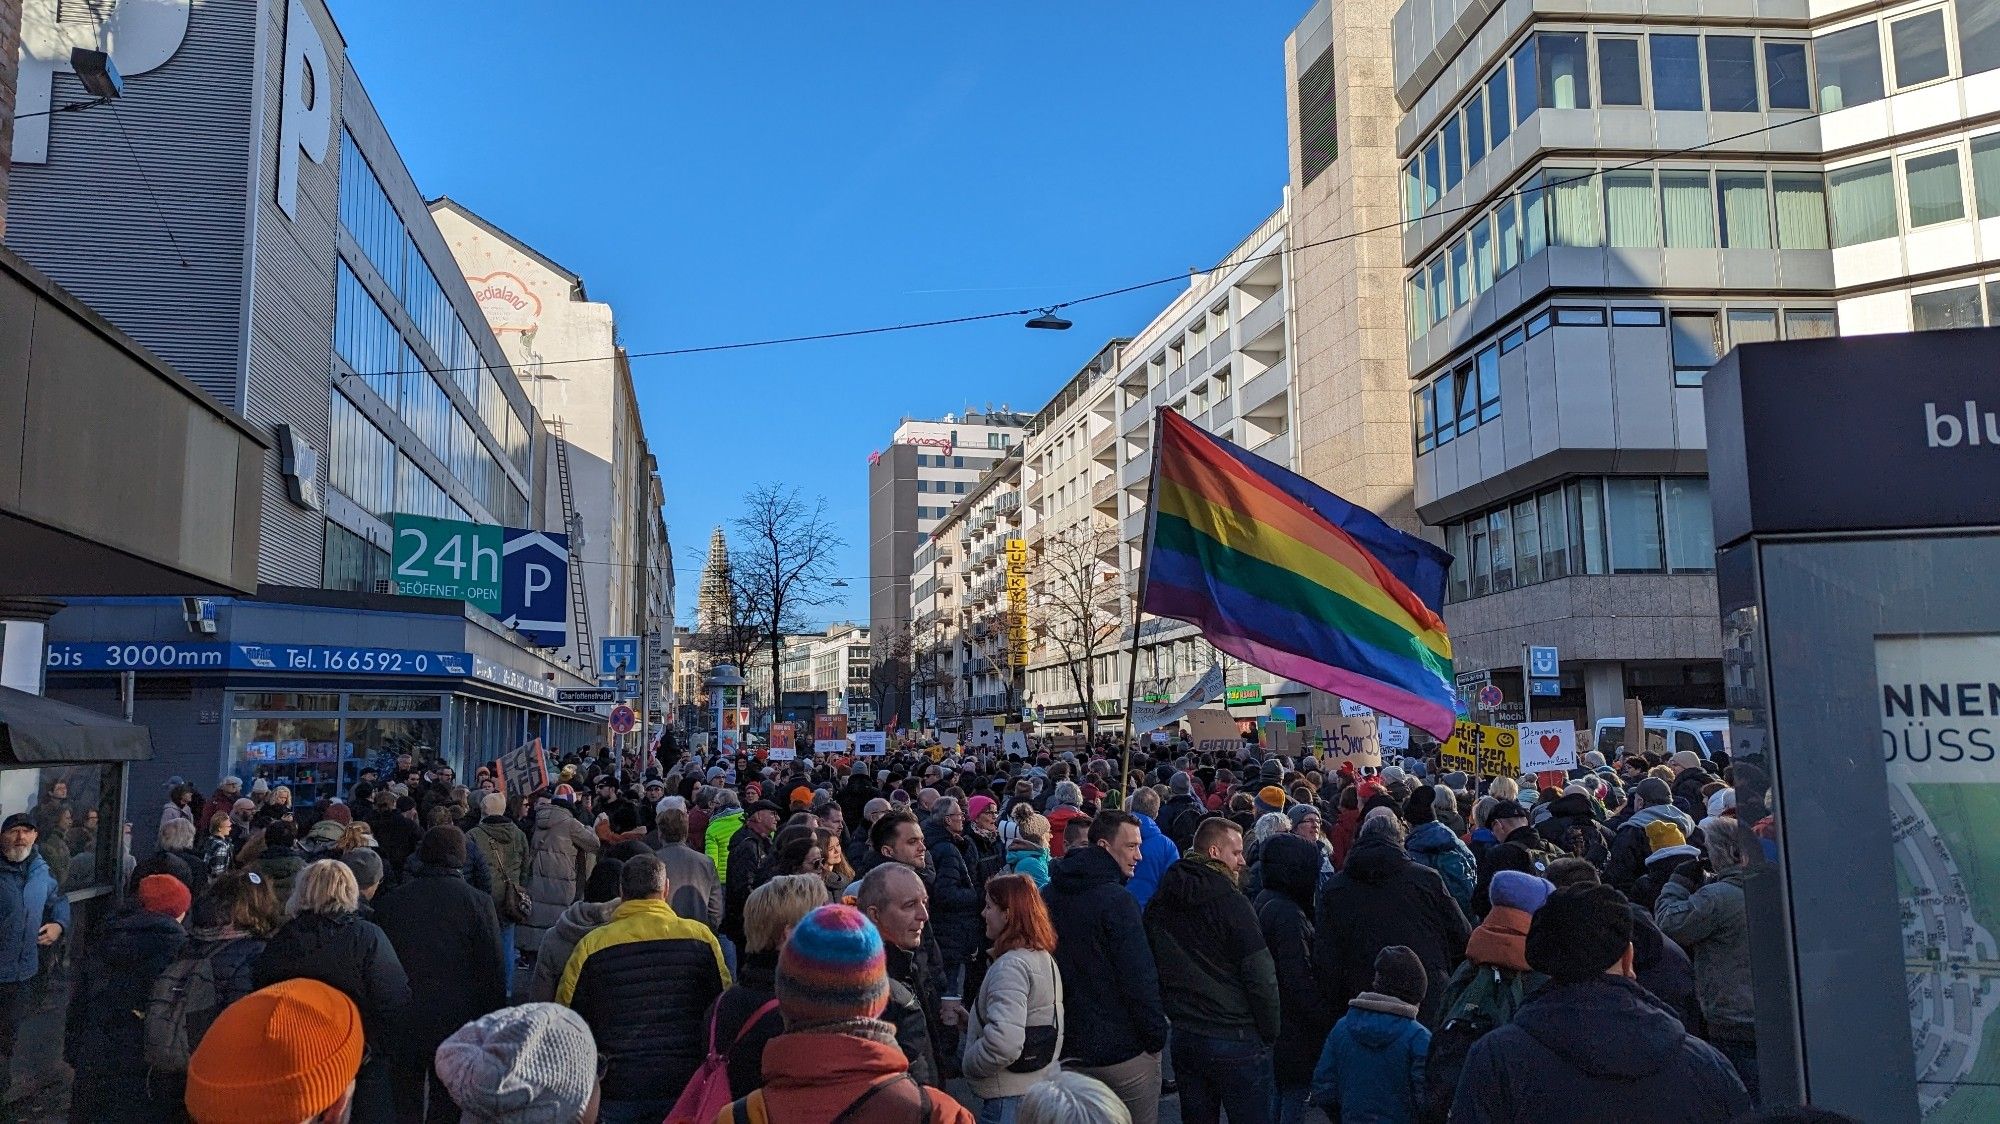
x,y
1138,603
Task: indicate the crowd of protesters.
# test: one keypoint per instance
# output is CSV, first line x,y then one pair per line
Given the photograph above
x,y
737,939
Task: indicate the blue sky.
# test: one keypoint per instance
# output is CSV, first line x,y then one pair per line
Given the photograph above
x,y
740,170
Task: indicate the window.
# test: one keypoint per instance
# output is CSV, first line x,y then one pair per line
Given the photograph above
x,y
1630,218
1461,275
1635,318
1534,217
1585,500
1482,562
1732,73
362,460
1800,199
1500,537
1508,222
1690,531
1634,508
958,487
1810,324
1414,307
1986,174
1565,70
1931,185
1786,83
1539,323
1554,534
1978,35
1468,400
1499,119
1454,154
1413,191
923,485
1576,216
1863,203
1513,339
1993,304
1689,208
1850,67
1527,543
1916,45
1440,287
1482,255
1433,181
1524,81
1580,317
1475,130
1676,71
1946,308
1752,325
1445,406
1487,364
1420,407
1454,544
1746,210
1697,339
1618,71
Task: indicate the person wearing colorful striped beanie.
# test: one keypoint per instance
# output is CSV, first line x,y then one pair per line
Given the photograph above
x,y
832,985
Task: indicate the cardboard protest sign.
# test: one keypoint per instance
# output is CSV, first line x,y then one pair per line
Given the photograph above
x,y
1354,741
524,769
1485,751
784,741
1215,732
830,733
1547,747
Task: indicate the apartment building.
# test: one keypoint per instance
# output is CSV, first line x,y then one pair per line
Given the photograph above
x,y
967,649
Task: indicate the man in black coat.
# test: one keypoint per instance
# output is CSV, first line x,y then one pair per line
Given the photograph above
x,y
394,825
752,854
955,896
1591,1036
856,793
1114,1023
893,896
1382,898
1284,911
447,937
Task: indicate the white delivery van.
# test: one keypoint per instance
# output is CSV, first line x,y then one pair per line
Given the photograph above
x,y
1703,733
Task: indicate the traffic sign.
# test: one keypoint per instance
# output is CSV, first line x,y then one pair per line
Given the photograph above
x,y
448,558
618,656
622,719
534,586
1542,662
1473,678
1544,688
586,695
1490,697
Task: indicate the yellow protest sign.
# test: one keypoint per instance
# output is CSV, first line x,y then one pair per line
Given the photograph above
x,y
1485,751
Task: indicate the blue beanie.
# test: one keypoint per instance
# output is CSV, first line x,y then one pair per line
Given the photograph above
x,y
1520,890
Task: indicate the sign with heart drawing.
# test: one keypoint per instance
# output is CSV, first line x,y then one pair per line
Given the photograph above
x,y
1547,747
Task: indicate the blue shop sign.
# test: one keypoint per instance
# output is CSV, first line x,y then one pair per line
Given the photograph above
x,y
504,676
209,656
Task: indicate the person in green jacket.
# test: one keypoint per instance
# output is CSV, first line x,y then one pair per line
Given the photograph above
x,y
723,825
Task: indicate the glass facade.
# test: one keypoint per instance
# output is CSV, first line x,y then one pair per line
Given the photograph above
x,y
1589,525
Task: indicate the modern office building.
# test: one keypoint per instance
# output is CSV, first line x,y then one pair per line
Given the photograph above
x,y
564,348
967,655
242,212
913,484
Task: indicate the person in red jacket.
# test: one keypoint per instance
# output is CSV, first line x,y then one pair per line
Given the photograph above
x,y
837,1058
1064,806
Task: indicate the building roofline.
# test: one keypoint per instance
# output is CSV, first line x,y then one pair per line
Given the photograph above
x,y
575,279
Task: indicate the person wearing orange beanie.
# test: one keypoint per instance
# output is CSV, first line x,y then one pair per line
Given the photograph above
x,y
282,1055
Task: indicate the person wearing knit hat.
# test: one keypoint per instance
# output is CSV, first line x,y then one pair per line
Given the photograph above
x,y
282,1055
1515,889
1270,798
832,987
532,1064
1653,801
116,973
1591,1035
800,798
1369,1067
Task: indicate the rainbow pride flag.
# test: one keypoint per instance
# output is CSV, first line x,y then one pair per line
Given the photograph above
x,y
1292,579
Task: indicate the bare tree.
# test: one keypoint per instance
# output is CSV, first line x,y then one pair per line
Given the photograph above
x,y
733,641
1080,604
891,671
781,561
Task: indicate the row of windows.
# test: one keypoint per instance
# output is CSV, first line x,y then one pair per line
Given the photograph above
x,y
1461,399
1591,525
362,460
1918,49
942,487
1956,307
940,460
1551,69
1862,198
932,512
1690,208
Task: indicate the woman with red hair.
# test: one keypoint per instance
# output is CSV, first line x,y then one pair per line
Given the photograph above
x,y
1014,1036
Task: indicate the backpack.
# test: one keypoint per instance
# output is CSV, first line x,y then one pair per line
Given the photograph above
x,y
1489,999
1455,866
707,1092
750,1109
1182,830
179,1010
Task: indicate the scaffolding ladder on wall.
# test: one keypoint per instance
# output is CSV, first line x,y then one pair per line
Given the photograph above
x,y
579,600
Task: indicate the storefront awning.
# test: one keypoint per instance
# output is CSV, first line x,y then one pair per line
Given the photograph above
x,y
38,731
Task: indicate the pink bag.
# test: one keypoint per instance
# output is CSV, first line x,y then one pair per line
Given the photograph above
x,y
707,1092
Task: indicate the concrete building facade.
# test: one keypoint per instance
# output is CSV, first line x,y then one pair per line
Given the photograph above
x,y
967,661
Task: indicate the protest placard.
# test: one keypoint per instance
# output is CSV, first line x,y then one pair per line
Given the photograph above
x,y
1354,741
1215,732
1486,751
1547,747
784,741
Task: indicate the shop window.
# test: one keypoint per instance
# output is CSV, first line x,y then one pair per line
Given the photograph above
x,y
1618,71
1786,83
1688,209
1746,210
1917,47
1732,73
1943,309
302,754
1676,63
1931,188
1800,201
75,809
1862,201
1634,509
1849,64
1697,344
1978,35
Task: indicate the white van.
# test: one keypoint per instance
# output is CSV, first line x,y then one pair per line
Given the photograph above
x,y
1702,736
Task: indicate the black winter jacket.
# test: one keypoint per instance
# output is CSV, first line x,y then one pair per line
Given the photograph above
x,y
1629,847
644,982
396,839
756,985
955,899
1178,818
751,857
1382,898
1112,1010
348,954
1573,829
1603,1041
447,937
913,1010
1284,913
1665,970
854,796
1216,974
116,974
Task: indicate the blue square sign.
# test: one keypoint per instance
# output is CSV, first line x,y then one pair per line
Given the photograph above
x,y
1542,662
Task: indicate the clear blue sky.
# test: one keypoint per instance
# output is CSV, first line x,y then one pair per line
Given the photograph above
x,y
742,170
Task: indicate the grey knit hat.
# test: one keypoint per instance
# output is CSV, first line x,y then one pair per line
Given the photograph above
x,y
532,1064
